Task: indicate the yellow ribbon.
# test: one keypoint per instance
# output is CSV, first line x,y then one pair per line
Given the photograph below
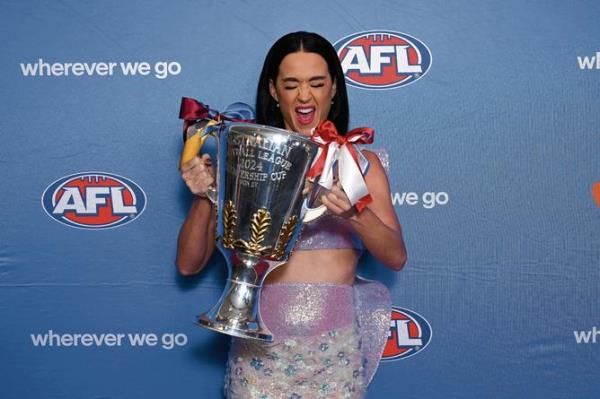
x,y
194,143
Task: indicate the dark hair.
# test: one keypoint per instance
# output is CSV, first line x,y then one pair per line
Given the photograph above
x,y
267,112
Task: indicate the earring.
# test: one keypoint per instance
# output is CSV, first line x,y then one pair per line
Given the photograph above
x,y
277,105
331,102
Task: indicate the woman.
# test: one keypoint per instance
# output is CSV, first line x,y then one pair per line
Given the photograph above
x,y
329,328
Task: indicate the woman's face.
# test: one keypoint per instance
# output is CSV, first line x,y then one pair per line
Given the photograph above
x,y
304,90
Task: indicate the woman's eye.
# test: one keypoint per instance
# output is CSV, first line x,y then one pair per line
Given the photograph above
x,y
290,87
318,85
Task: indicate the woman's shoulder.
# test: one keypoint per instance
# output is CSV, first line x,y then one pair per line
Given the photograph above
x,y
377,175
378,157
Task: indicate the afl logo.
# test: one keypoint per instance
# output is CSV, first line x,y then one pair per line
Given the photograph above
x,y
93,200
382,59
409,334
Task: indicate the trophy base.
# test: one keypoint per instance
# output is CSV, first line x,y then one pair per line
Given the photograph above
x,y
227,328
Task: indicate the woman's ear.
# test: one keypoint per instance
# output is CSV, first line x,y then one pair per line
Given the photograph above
x,y
272,90
333,89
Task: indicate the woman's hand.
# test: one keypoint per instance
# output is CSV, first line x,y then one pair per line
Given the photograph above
x,y
198,175
337,202
308,186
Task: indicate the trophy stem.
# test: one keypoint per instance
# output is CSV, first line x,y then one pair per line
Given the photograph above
x,y
237,313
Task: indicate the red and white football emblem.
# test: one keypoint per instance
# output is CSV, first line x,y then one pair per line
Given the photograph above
x,y
93,200
409,334
382,59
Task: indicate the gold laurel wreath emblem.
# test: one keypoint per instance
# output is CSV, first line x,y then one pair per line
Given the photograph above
x,y
287,230
229,223
259,227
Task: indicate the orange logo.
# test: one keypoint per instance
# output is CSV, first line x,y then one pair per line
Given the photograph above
x,y
596,193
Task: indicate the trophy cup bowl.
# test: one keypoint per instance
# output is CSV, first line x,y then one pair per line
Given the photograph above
x,y
260,174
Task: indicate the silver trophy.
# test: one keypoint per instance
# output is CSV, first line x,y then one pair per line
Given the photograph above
x,y
260,176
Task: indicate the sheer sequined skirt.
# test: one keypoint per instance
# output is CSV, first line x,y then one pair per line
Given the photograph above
x,y
325,366
320,349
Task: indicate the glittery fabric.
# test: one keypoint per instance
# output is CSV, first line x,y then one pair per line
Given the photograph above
x,y
327,232
303,309
373,306
330,231
328,342
384,157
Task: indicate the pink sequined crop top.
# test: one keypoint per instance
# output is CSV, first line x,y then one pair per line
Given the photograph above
x,y
333,232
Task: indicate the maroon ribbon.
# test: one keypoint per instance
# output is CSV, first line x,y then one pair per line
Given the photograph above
x,y
193,111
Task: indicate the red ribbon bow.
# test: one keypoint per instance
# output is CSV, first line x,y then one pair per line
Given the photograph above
x,y
326,134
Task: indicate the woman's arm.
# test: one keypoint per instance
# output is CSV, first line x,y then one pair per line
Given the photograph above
x,y
196,241
377,225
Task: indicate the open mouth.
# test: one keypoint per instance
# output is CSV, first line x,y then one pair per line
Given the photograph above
x,y
305,115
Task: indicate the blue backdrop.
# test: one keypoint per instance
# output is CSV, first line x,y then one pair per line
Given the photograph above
x,y
503,130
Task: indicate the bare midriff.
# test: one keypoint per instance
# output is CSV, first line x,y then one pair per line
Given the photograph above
x,y
336,266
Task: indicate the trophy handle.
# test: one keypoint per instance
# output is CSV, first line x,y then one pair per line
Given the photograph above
x,y
196,136
310,214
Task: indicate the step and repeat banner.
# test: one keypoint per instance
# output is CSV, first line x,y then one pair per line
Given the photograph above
x,y
489,112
